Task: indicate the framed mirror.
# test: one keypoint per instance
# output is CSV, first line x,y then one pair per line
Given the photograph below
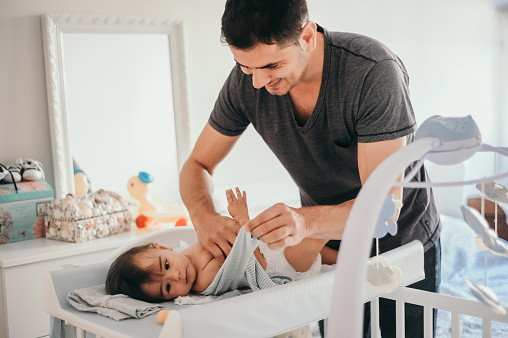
x,y
117,100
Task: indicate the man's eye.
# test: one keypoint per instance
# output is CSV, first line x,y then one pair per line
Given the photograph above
x,y
168,287
166,265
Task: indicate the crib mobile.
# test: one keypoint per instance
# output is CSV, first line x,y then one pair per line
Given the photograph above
x,y
443,141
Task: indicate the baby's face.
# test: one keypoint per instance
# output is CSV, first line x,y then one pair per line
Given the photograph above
x,y
177,274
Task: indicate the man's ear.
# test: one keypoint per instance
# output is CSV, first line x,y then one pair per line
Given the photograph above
x,y
308,36
161,247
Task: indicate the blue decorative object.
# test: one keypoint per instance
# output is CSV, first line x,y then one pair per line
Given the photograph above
x,y
145,177
388,211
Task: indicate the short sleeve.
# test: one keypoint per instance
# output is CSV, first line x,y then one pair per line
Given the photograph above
x,y
228,117
385,111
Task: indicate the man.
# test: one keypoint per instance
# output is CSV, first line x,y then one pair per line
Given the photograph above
x,y
331,106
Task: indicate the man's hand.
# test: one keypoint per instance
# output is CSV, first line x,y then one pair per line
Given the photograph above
x,y
278,226
217,234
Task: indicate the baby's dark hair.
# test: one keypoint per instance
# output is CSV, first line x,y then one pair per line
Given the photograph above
x,y
246,23
126,277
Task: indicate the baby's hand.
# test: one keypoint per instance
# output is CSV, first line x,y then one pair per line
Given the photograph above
x,y
237,204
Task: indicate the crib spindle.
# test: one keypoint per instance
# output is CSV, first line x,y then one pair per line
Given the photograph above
x,y
80,333
455,325
374,318
399,322
487,328
428,322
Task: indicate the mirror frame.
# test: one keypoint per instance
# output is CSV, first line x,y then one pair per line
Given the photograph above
x,y
54,26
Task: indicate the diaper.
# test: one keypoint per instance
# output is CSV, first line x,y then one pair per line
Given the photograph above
x,y
277,265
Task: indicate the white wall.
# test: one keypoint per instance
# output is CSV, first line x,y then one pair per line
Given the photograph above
x,y
502,83
451,49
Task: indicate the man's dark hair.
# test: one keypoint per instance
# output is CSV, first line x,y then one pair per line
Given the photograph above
x,y
125,277
248,22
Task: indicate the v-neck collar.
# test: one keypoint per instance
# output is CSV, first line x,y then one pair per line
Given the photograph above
x,y
322,90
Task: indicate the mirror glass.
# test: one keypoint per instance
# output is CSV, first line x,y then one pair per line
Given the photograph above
x,y
119,110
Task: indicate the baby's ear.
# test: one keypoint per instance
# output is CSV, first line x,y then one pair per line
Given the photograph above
x,y
161,247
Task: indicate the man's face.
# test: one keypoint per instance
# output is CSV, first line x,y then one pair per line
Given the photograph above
x,y
278,69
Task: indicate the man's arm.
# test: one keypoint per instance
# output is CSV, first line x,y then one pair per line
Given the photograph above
x,y
280,226
215,232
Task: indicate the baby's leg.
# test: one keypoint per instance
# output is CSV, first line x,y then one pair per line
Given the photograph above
x,y
302,255
329,255
237,207
237,204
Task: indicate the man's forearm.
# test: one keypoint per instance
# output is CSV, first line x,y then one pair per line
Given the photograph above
x,y
196,189
215,232
329,221
326,221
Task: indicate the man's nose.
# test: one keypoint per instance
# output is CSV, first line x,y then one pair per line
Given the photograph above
x,y
260,78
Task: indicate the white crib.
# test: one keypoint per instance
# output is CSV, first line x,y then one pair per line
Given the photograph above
x,y
338,293
314,295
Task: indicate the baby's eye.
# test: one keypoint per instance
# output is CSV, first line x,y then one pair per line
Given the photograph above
x,y
166,265
168,287
274,66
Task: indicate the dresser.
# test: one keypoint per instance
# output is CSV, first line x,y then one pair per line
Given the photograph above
x,y
22,266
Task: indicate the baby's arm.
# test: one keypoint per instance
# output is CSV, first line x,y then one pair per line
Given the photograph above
x,y
237,204
205,263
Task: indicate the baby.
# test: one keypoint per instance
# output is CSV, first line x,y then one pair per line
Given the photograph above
x,y
156,273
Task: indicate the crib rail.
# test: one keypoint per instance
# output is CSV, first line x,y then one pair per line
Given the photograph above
x,y
430,301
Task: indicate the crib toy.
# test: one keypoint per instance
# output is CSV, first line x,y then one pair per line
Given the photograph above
x,y
339,292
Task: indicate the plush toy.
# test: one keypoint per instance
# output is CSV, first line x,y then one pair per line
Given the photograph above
x,y
81,182
150,214
138,186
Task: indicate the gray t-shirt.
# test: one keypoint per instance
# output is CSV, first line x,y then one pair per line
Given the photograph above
x,y
364,97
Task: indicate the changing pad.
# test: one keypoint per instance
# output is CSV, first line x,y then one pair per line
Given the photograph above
x,y
258,314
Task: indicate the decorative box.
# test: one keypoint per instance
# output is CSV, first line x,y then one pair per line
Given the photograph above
x,y
22,212
86,217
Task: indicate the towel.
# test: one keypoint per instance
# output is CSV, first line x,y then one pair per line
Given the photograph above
x,y
118,307
241,269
